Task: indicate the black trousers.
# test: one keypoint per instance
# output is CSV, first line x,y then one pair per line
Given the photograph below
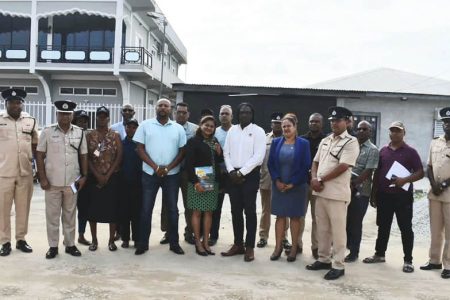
x,y
243,200
215,225
129,210
356,211
400,204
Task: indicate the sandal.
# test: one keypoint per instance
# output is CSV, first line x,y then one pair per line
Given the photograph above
x,y
408,267
93,246
374,259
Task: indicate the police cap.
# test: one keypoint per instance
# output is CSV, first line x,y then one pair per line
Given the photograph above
x,y
276,117
445,113
66,106
338,112
14,94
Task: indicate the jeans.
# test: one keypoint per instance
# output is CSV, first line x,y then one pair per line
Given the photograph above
x,y
150,185
400,204
243,199
355,215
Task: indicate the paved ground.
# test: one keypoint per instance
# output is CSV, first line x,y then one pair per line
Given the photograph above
x,y
159,274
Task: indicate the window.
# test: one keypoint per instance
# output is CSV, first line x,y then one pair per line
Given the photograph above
x,y
31,90
80,91
2,88
66,91
369,117
95,92
109,92
15,32
84,91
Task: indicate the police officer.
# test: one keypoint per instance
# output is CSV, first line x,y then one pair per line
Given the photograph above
x,y
331,173
62,145
18,138
439,196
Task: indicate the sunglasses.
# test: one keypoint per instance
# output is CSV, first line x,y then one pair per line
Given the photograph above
x,y
362,129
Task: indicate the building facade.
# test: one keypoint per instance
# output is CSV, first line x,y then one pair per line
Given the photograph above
x,y
96,51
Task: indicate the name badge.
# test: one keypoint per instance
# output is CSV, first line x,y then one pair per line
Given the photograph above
x,y
97,153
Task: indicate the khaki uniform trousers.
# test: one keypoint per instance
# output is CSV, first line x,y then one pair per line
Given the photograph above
x,y
18,190
440,233
60,203
266,213
331,216
312,204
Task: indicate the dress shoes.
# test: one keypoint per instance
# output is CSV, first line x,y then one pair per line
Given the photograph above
x,y
125,244
262,243
112,246
83,241
73,251
317,265
445,274
51,253
249,254
140,251
176,249
23,246
351,258
210,252
299,251
430,266
234,250
315,253
6,249
286,244
189,238
212,242
164,240
334,274
275,255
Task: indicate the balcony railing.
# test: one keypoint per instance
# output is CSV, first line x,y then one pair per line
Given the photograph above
x,y
137,55
63,54
14,53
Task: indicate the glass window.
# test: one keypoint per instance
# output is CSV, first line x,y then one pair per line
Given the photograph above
x,y
109,92
43,31
66,91
18,87
2,88
80,91
20,32
31,89
95,91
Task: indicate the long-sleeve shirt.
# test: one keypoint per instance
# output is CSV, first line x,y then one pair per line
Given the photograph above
x,y
244,148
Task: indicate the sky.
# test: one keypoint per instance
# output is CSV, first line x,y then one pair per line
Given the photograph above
x,y
294,43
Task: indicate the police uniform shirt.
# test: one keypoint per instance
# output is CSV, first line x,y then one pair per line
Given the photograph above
x,y
16,138
439,159
332,151
265,182
61,162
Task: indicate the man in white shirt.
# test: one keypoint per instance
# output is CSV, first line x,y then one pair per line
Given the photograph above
x,y
127,114
244,151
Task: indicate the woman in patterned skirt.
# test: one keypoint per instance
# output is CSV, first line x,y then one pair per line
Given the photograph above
x,y
104,154
203,155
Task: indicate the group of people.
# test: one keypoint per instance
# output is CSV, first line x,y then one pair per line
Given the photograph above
x,y
113,174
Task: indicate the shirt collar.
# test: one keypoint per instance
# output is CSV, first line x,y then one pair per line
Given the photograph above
x,y
342,135
22,115
59,128
155,121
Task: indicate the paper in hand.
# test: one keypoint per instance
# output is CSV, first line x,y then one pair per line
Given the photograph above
x,y
398,170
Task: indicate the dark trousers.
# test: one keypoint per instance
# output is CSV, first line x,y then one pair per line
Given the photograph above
x,y
188,231
400,204
82,207
129,210
356,211
215,225
150,186
243,200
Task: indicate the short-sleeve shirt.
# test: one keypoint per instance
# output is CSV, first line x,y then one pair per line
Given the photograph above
x,y
265,183
439,160
334,150
16,138
405,155
367,159
221,135
61,162
189,129
162,142
120,128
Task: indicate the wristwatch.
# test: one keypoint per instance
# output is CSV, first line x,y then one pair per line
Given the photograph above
x,y
239,174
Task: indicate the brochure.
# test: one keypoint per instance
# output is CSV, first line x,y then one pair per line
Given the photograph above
x,y
206,177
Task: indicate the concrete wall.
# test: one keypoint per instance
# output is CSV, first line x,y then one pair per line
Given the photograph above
x,y
26,82
56,84
137,95
417,115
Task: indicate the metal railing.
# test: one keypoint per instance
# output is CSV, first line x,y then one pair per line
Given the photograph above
x,y
65,54
39,111
137,55
14,53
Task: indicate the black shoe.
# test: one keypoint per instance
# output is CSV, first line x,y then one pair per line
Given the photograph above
x,y
212,242
51,253
139,251
73,251
276,256
286,244
334,274
445,274
93,246
164,240
83,241
178,250
430,266
125,244
6,249
112,246
23,246
189,238
317,265
201,253
351,258
262,243
210,252
291,258
299,250
315,253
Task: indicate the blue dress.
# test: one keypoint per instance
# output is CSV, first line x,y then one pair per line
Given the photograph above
x,y
291,203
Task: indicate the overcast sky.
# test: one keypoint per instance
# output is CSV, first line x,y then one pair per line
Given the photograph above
x,y
293,43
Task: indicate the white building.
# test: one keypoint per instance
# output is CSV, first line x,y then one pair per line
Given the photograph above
x,y
97,51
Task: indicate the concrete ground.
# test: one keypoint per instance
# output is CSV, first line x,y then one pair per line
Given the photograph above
x,y
160,274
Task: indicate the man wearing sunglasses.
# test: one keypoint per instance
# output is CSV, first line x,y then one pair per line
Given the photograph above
x,y
331,173
127,114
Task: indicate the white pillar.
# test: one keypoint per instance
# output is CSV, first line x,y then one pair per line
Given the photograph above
x,y
118,36
33,36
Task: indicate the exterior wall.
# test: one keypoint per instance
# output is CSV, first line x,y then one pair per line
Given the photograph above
x,y
16,8
56,84
137,95
26,82
264,106
417,115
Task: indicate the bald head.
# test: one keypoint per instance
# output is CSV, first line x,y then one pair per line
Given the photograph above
x,y
163,100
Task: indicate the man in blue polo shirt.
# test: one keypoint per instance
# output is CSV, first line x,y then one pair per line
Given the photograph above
x,y
160,146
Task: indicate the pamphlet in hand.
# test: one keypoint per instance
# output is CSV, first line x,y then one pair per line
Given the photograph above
x,y
206,177
398,170
74,186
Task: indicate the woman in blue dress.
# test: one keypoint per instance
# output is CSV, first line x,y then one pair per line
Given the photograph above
x,y
289,162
